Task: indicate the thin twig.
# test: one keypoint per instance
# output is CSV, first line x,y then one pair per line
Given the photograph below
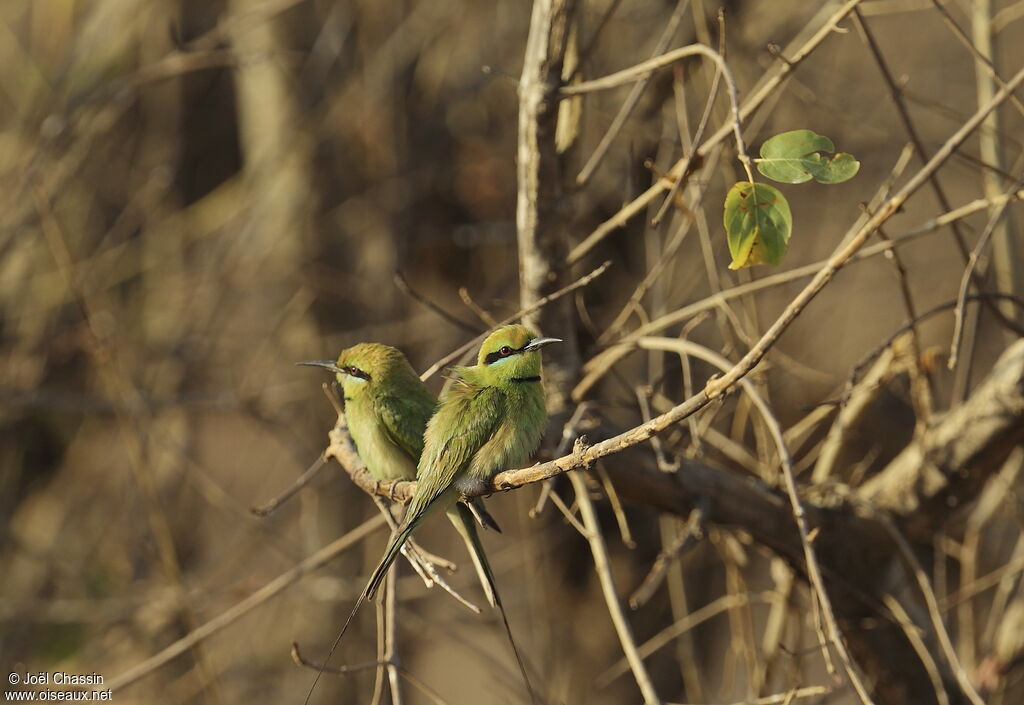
x,y
985,582
604,574
390,603
382,647
271,589
592,43
303,480
925,588
995,215
773,633
1006,268
581,282
568,514
857,370
635,93
917,643
698,135
912,134
664,464
979,57
403,285
665,260
643,70
301,660
424,562
692,620
613,499
741,626
570,432
692,532
919,379
783,698
814,571
696,434
487,319
418,564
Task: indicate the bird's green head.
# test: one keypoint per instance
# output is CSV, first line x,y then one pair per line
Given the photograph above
x,y
512,353
369,367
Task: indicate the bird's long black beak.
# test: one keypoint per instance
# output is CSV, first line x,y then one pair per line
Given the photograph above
x,y
329,364
538,343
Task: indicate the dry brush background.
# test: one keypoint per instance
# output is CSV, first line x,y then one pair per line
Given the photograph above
x,y
198,194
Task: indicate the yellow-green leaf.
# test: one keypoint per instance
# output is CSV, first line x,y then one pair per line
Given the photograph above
x,y
796,156
758,223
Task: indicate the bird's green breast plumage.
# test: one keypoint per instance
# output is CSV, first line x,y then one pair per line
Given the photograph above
x,y
518,433
478,431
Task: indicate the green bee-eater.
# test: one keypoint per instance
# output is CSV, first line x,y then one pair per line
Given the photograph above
x,y
491,419
387,407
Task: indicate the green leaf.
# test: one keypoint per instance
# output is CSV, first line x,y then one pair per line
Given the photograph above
x,y
757,224
795,157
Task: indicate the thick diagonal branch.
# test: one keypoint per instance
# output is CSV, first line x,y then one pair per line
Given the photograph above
x,y
959,452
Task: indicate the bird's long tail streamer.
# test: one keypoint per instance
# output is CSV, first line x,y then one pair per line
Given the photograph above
x,y
484,568
337,640
397,541
463,523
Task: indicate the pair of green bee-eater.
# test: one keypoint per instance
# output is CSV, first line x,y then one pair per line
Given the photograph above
x,y
490,419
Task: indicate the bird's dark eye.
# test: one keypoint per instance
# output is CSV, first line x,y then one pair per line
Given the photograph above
x,y
505,351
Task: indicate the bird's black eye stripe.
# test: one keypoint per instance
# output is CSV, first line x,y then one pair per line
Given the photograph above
x,y
503,351
356,372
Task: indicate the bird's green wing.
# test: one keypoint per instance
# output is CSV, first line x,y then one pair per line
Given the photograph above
x,y
404,419
466,420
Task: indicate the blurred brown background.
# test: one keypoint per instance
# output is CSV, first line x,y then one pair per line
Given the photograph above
x,y
195,195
